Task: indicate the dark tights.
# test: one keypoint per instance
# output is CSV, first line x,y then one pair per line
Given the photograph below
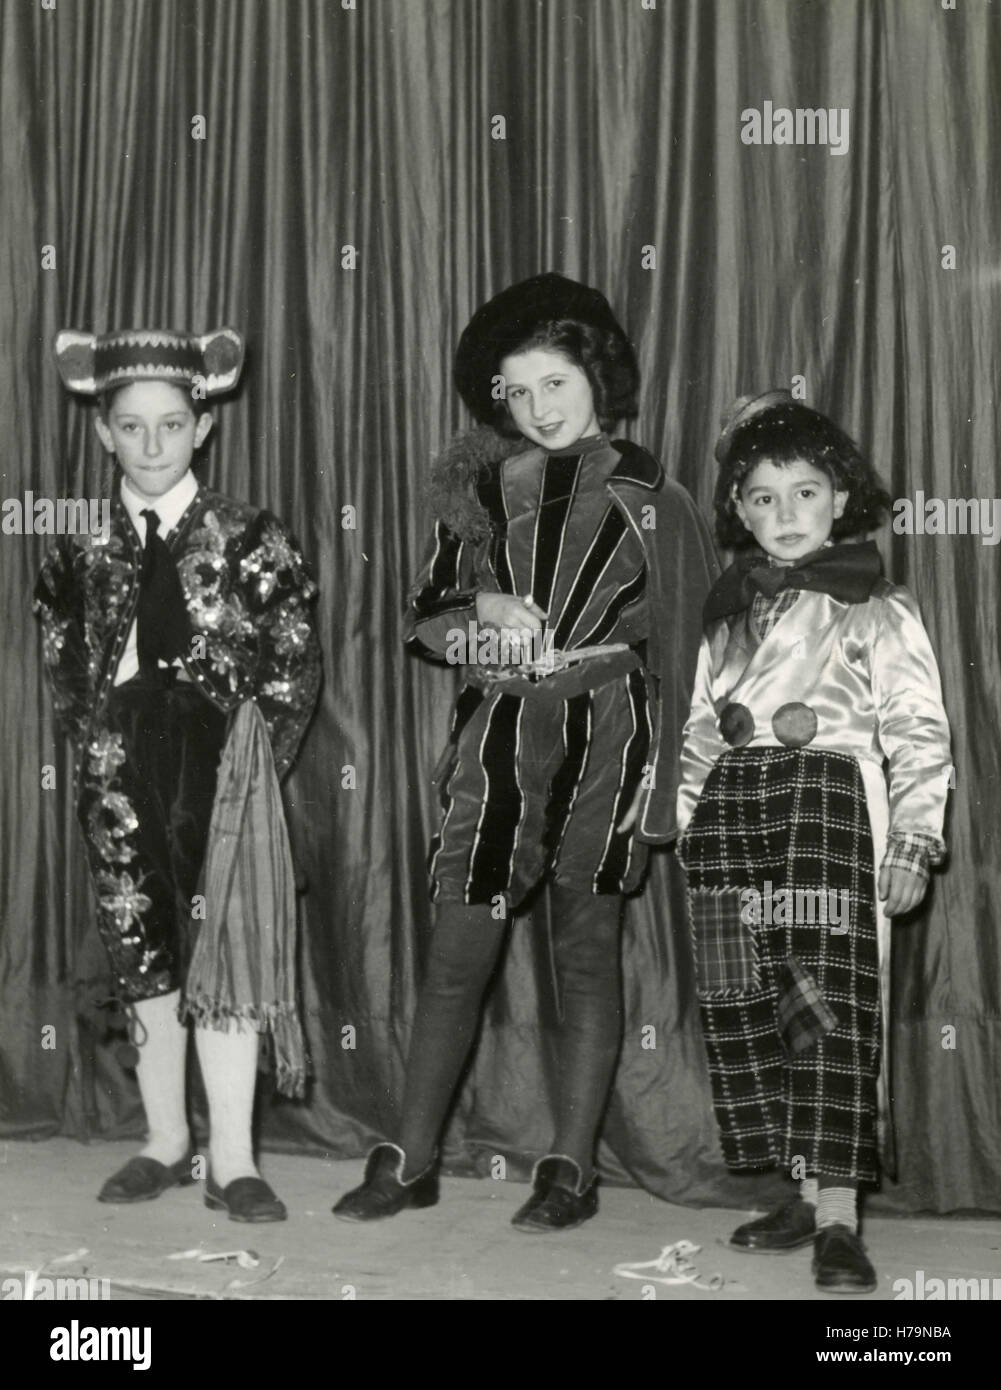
x,y
464,950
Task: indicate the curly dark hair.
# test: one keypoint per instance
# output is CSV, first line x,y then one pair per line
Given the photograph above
x,y
606,359
782,435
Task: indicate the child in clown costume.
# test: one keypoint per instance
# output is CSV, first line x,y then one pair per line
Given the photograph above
x,y
815,678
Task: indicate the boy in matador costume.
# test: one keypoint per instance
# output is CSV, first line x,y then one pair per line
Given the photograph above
x,y
562,759
184,664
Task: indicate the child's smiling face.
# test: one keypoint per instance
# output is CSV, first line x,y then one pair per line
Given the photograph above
x,y
789,509
153,432
549,397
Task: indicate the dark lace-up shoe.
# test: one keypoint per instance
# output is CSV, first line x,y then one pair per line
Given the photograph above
x,y
790,1226
840,1264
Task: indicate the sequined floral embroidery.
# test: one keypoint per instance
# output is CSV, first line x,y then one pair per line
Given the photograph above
x,y
122,899
268,560
110,821
292,632
53,640
105,755
111,818
107,581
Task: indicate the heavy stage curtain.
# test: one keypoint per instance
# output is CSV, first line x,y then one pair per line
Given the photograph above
x,y
734,265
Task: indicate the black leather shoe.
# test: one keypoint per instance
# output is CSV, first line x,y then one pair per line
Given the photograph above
x,y
840,1264
245,1199
559,1201
142,1179
786,1228
383,1192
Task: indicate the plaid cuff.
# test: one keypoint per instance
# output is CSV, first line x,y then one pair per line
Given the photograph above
x,y
914,851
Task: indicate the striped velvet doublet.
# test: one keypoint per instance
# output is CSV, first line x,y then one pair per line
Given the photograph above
x,y
539,781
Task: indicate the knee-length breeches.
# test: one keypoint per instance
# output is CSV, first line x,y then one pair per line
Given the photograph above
x,y
538,786
147,787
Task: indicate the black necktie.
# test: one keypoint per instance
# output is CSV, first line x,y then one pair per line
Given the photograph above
x,y
162,615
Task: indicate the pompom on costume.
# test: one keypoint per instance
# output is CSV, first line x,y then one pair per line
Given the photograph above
x,y
178,762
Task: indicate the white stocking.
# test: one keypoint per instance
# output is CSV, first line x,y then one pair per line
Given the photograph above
x,y
229,1070
160,1073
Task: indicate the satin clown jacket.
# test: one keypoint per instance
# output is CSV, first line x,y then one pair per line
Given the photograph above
x,y
249,597
856,678
681,568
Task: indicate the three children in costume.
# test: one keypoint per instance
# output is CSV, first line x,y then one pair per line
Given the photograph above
x,y
810,671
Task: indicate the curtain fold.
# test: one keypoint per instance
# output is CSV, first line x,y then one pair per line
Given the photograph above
x,y
348,207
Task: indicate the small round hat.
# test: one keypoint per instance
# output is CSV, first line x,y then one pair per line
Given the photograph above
x,y
742,411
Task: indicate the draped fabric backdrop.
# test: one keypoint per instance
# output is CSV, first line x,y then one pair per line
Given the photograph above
x,y
733,266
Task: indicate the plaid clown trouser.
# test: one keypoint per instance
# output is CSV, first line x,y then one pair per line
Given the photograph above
x,y
781,895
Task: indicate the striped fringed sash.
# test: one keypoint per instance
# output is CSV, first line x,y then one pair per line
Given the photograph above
x,y
243,961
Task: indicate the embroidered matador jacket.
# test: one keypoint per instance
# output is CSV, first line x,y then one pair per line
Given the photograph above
x,y
678,567
249,595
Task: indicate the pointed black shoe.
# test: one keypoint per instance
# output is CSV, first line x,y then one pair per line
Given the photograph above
x,y
559,1201
143,1178
788,1227
840,1264
245,1199
383,1192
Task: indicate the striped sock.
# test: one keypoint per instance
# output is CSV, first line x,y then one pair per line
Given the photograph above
x,y
837,1206
808,1190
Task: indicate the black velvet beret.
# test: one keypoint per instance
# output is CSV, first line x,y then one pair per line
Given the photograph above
x,y
505,322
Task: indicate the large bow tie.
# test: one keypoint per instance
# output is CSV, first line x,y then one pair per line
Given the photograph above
x,y
847,572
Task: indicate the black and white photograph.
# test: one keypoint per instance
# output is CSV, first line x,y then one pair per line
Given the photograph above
x,y
501,682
